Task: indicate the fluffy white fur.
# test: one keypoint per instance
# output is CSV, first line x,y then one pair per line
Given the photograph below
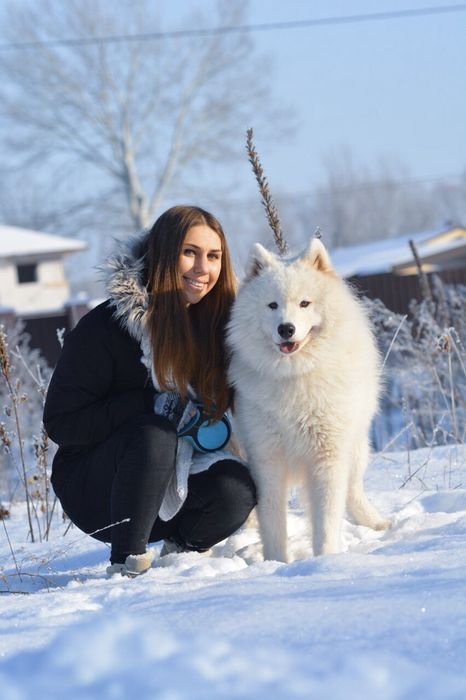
x,y
304,415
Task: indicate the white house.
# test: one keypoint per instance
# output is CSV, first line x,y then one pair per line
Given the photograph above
x,y
32,276
386,269
438,250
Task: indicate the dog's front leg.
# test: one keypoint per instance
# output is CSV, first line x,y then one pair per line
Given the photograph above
x,y
328,488
271,482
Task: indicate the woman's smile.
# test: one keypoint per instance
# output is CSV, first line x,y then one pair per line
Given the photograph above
x,y
197,284
200,262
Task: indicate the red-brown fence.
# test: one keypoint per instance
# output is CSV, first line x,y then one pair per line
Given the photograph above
x,y
396,291
42,327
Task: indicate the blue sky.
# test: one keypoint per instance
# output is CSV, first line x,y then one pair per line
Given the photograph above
x,y
394,88
384,89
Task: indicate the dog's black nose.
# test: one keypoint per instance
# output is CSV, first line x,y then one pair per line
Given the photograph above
x,y
286,330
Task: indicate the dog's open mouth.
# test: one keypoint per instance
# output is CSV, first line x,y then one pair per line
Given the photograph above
x,y
287,347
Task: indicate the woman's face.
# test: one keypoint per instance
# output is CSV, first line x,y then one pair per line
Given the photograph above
x,y
200,262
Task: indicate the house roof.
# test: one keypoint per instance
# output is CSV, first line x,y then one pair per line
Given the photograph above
x,y
395,255
21,242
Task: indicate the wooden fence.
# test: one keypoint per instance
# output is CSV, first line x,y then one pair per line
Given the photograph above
x,y
42,327
396,291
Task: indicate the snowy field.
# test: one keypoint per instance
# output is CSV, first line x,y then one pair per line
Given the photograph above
x,y
385,620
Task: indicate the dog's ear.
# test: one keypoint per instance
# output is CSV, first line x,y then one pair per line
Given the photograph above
x,y
316,256
259,259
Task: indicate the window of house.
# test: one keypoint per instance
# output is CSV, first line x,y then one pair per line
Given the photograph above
x,y
27,273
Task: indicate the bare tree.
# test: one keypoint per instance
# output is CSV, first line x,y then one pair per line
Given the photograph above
x,y
356,203
124,122
451,200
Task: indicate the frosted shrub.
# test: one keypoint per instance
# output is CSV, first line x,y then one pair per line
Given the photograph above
x,y
25,455
424,397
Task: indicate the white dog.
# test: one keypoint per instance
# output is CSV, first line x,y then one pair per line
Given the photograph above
x,y
306,374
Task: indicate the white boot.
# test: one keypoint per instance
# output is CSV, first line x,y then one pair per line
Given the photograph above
x,y
135,565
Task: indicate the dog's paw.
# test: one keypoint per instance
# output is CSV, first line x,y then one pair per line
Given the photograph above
x,y
276,556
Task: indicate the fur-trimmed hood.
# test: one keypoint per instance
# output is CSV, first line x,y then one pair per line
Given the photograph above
x,y
125,278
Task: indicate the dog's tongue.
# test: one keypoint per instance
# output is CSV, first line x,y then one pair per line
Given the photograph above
x,y
287,347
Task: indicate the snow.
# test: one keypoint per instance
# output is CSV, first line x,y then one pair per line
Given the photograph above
x,y
376,257
17,242
385,619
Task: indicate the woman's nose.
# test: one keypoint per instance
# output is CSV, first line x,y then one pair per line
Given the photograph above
x,y
201,263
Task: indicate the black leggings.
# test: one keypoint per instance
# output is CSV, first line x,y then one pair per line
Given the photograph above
x,y
126,476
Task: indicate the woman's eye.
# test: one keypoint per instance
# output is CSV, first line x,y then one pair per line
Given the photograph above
x,y
188,251
304,303
214,256
273,305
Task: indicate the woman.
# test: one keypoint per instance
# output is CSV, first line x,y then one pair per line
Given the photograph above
x,y
125,386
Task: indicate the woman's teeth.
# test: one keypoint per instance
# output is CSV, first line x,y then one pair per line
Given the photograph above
x,y
194,283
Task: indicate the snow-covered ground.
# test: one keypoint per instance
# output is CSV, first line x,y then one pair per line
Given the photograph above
x,y
385,620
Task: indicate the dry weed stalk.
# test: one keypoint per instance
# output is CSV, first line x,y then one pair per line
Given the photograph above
x,y
40,445
11,549
37,485
271,211
16,398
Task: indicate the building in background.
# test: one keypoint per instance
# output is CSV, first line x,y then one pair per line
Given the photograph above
x,y
386,269
34,288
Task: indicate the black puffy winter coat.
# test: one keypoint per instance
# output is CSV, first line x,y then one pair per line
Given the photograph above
x,y
102,378
99,384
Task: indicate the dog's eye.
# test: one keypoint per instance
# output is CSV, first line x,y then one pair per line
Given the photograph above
x,y
304,303
273,305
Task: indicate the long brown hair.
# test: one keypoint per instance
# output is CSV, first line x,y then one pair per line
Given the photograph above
x,y
188,342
